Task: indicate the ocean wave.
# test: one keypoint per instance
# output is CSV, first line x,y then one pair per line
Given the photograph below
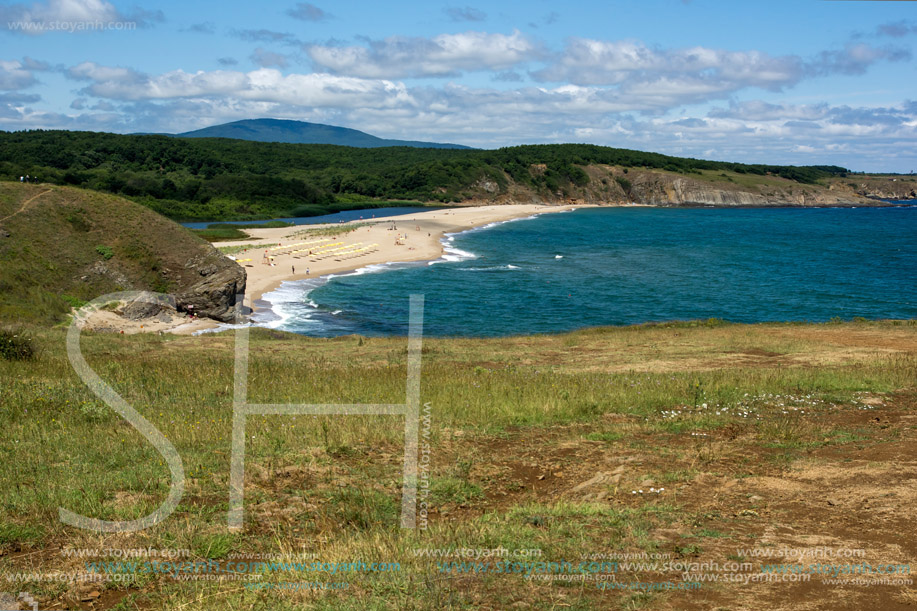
x,y
287,302
498,223
451,253
493,268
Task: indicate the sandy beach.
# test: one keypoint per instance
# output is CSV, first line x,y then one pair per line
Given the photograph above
x,y
415,237
370,241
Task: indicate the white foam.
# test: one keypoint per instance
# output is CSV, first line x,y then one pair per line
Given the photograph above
x,y
494,268
285,302
451,253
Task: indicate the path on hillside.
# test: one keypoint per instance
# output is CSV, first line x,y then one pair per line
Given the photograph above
x,y
24,204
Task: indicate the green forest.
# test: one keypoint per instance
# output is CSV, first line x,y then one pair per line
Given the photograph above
x,y
222,179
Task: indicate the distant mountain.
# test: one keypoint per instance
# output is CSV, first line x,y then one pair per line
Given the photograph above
x,y
301,132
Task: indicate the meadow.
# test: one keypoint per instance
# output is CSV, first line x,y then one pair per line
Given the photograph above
x,y
685,443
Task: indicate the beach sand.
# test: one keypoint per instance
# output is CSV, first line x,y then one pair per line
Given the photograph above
x,y
420,234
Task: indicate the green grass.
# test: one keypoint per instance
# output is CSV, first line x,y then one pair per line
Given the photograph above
x,y
331,486
330,231
232,250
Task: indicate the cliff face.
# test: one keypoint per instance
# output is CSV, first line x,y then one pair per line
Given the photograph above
x,y
881,187
615,185
669,190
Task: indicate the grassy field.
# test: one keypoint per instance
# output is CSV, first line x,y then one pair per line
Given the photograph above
x,y
679,444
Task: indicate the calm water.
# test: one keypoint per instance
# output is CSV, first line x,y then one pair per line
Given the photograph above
x,y
337,217
618,266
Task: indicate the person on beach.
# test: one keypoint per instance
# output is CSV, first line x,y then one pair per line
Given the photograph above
x,y
294,269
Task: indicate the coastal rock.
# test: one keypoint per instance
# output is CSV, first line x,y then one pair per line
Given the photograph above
x,y
668,190
901,187
215,295
148,305
208,270
618,185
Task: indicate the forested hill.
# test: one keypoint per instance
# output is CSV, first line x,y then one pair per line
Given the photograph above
x,y
302,132
210,179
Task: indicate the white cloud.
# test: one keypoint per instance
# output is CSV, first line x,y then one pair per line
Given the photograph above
x,y
897,29
595,62
70,15
267,85
465,13
266,36
269,59
90,71
305,11
14,75
443,55
854,59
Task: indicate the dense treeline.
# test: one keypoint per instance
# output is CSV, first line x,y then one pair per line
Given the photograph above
x,y
190,179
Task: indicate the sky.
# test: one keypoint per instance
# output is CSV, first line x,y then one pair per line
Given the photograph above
x,y
785,82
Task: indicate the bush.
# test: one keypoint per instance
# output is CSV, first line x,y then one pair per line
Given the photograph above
x,y
105,251
73,302
16,345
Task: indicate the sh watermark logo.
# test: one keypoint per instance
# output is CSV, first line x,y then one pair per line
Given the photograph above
x,y
241,410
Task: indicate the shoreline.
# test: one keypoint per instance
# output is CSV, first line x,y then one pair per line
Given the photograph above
x,y
421,239
415,237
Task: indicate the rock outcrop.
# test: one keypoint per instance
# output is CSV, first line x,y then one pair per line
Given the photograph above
x,y
671,190
214,295
902,187
148,305
617,185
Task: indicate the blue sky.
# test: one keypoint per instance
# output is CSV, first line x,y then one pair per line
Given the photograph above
x,y
804,82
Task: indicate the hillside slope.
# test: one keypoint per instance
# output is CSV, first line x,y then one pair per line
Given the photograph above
x,y
302,132
61,246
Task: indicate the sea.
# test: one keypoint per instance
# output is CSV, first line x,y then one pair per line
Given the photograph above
x,y
593,267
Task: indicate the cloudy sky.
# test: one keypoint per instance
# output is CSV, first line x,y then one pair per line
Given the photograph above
x,y
800,81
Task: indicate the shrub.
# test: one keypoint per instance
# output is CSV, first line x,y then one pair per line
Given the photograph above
x,y
105,251
16,345
73,302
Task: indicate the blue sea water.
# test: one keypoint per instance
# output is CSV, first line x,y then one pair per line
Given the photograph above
x,y
617,266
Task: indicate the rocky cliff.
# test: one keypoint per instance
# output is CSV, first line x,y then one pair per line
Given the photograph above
x,y
617,185
902,187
